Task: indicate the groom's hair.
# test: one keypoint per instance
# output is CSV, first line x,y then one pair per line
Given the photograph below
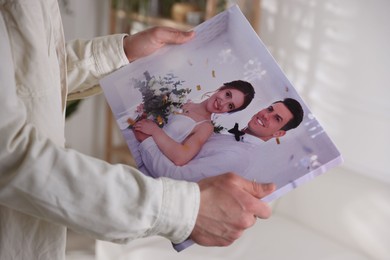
x,y
296,109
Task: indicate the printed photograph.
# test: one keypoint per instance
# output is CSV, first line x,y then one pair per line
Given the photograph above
x,y
219,103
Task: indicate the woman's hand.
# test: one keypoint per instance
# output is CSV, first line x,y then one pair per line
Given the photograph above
x,y
146,42
147,126
140,136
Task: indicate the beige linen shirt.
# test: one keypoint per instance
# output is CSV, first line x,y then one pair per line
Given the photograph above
x,y
45,187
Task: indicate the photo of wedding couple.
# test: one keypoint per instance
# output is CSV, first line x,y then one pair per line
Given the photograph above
x,y
217,104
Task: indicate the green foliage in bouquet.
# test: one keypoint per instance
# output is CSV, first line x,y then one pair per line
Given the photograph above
x,y
217,128
161,96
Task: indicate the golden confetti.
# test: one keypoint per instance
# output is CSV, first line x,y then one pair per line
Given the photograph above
x,y
213,73
130,121
198,87
165,99
160,120
277,140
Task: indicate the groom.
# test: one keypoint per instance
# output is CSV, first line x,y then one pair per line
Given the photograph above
x,y
222,152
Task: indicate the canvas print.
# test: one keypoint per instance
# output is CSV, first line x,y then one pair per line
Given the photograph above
x,y
219,103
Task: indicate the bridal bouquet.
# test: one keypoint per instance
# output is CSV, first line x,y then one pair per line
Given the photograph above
x,y
161,96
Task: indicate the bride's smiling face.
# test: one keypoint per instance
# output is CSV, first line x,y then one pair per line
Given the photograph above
x,y
225,100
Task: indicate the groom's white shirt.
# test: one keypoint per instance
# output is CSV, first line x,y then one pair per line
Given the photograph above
x,y
220,154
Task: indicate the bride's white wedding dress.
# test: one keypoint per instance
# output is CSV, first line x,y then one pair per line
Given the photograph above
x,y
179,126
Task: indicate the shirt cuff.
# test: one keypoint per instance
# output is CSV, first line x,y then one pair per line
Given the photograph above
x,y
109,53
180,206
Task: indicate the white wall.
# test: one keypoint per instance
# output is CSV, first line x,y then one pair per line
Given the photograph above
x,y
336,53
85,129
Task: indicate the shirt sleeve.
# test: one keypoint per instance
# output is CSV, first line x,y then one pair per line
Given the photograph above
x,y
89,60
227,159
108,202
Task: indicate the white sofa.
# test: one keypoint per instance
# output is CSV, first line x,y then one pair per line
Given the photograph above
x,y
338,216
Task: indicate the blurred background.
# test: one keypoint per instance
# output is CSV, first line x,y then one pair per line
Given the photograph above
x,y
337,55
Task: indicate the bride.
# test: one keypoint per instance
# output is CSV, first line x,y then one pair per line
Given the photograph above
x,y
185,133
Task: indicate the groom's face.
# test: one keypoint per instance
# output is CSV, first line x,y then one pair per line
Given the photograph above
x,y
268,122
